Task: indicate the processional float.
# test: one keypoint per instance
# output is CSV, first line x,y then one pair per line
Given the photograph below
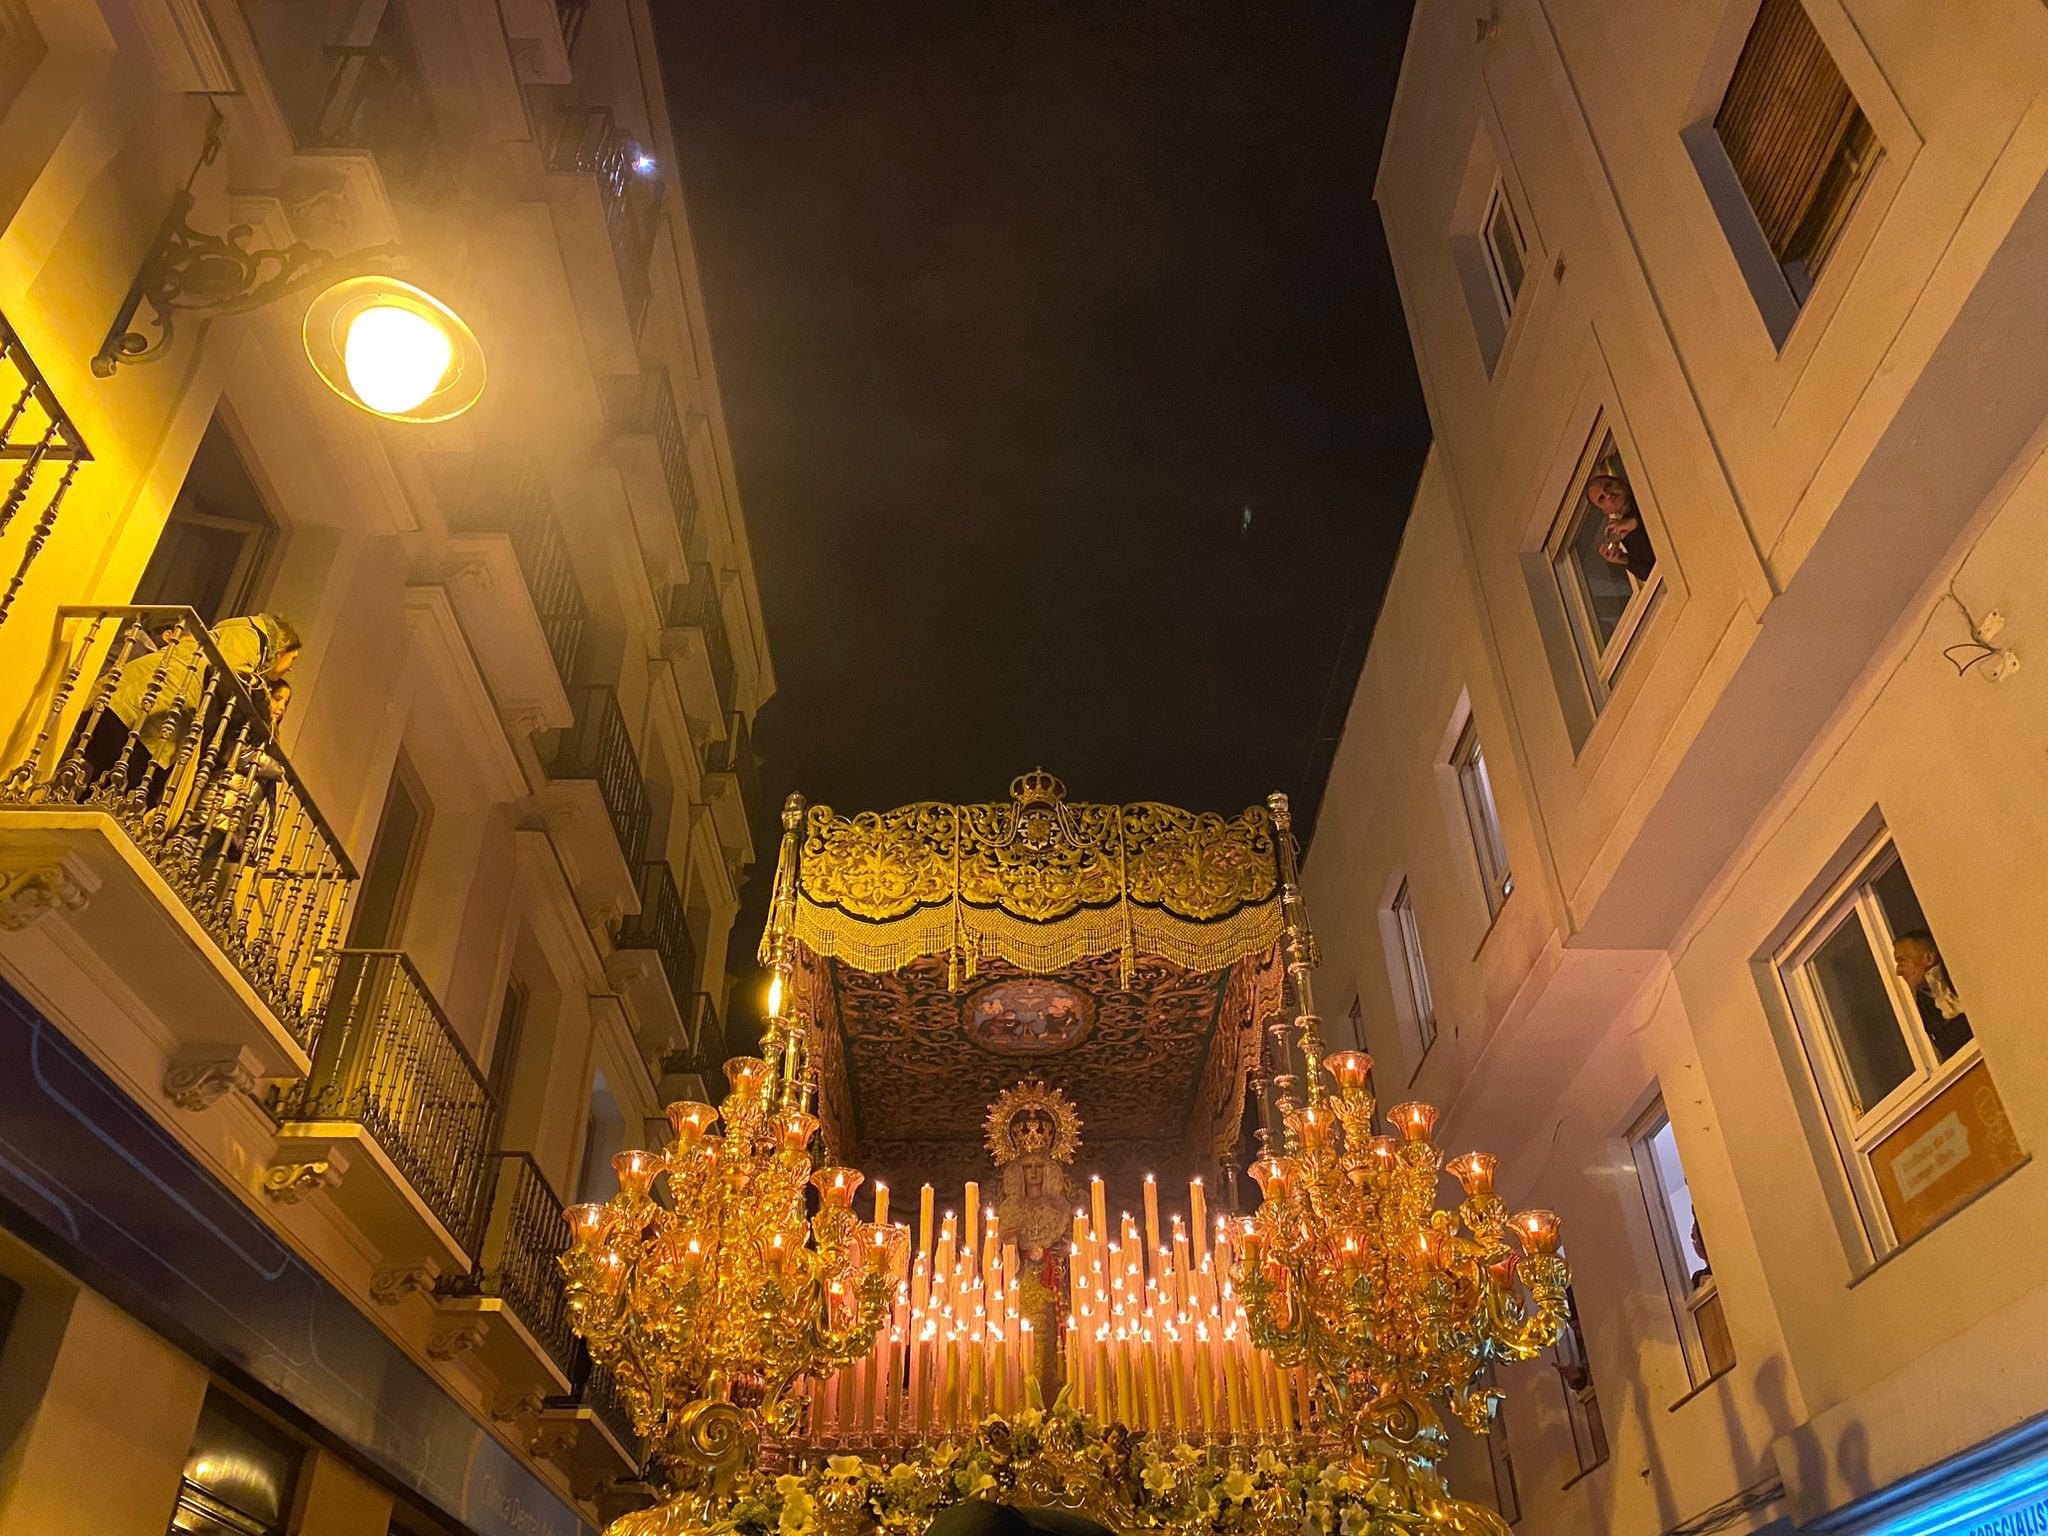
x,y
790,1366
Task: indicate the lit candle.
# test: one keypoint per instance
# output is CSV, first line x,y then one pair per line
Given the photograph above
x,y
1538,1232
1474,1173
1197,1214
1351,1069
881,1203
1414,1121
1151,1216
970,1233
1098,1208
585,1223
924,1220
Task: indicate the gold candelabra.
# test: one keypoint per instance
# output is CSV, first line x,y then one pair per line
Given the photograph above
x,y
1350,1268
707,1291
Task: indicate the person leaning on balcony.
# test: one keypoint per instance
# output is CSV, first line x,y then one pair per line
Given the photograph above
x,y
154,700
242,800
1941,1010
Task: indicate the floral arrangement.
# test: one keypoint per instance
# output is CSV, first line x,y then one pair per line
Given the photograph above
x,y
1123,1479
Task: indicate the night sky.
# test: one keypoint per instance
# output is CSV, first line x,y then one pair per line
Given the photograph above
x,y
1072,404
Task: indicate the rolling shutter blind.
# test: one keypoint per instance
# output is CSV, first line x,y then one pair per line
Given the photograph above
x,y
1785,120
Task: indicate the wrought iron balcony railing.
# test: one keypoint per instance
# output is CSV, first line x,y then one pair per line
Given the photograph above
x,y
376,101
598,747
389,1061
663,926
735,755
587,140
150,723
596,1391
695,604
703,1050
512,498
571,14
645,403
519,1235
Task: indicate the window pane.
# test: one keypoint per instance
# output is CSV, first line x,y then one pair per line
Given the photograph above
x,y
1858,1003
1607,555
1506,240
1918,961
1677,1194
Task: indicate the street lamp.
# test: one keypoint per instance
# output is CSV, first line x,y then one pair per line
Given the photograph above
x,y
394,350
384,346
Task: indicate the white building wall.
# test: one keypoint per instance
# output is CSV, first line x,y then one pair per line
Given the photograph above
x,y
1814,491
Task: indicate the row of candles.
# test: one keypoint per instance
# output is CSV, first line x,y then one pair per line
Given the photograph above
x,y
1155,1336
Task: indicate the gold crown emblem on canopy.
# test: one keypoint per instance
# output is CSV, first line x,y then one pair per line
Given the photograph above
x,y
1053,1126
1037,788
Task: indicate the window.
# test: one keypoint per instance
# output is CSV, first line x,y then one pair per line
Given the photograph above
x,y
1476,788
1507,1494
394,859
505,1047
1604,563
1681,1250
238,1474
1800,146
1919,1124
1507,253
1413,977
1581,1401
1357,1018
211,552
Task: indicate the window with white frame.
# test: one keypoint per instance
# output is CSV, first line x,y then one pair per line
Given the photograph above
x,y
1412,972
1915,1115
1800,146
1581,1400
1475,787
1507,253
1604,563
1681,1249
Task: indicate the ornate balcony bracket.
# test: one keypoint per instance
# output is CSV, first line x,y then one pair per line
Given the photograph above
x,y
200,1076
523,1405
32,892
290,1182
389,1287
193,272
451,1342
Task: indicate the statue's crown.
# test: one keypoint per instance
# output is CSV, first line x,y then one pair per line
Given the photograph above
x,y
1037,788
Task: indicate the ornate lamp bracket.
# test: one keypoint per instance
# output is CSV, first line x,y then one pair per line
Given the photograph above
x,y
193,272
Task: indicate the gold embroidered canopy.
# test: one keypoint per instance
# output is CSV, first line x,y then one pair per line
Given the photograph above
x,y
1037,882
1126,953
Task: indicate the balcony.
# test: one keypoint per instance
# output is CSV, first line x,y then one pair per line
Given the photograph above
x,y
543,34
394,1089
586,142
694,640
691,1071
506,539
348,78
156,843
655,967
587,1431
516,1289
653,459
597,802
732,783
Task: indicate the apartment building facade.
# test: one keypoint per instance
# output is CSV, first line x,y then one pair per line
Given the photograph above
x,y
1682,842
323,989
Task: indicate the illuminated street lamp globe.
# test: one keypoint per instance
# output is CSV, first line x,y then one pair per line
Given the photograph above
x,y
394,350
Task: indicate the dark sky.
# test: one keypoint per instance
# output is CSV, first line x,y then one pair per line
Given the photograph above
x,y
1017,308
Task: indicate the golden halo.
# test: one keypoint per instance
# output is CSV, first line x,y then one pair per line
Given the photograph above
x,y
1032,1094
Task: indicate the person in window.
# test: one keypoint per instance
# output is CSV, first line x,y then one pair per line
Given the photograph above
x,y
1622,539
1941,1011
156,700
1705,1272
